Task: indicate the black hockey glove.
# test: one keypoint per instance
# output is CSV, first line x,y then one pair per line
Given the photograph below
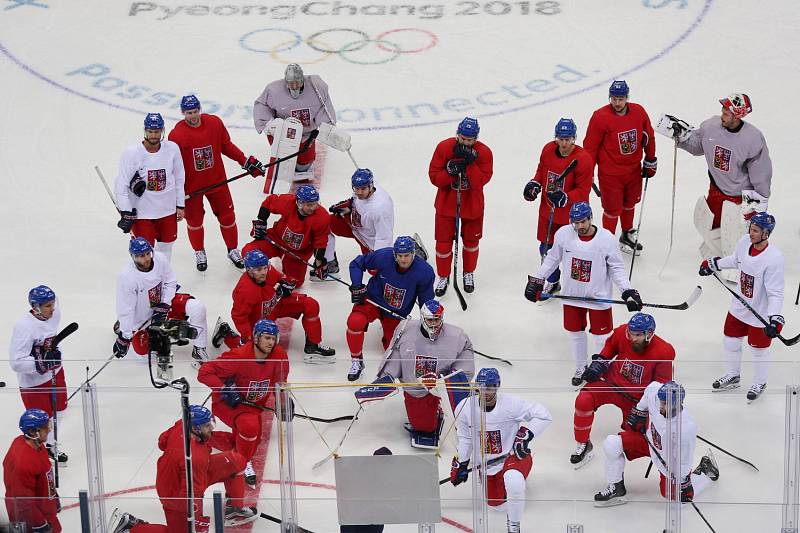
x,y
358,293
649,167
46,360
531,190
342,209
687,491
459,472
121,346
776,323
632,300
596,369
523,438
455,167
285,288
534,288
637,420
287,414
460,182
320,263
254,167
230,395
259,232
126,220
557,198
160,312
138,185
467,153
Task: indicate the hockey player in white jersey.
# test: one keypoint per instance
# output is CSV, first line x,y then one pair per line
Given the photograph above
x,y
760,280
149,187
511,423
146,295
367,217
648,438
591,259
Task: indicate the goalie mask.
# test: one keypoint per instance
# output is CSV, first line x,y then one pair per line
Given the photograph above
x,y
737,103
432,314
293,76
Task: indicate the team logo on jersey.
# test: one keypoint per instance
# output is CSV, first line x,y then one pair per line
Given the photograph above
x,y
303,115
257,390
746,282
203,158
551,181
154,295
655,437
268,305
722,158
631,371
294,240
581,270
627,142
156,179
424,364
494,444
394,296
355,218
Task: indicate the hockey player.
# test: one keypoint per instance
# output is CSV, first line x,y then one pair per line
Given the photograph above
x,y
367,217
421,352
203,140
461,163
760,284
593,261
208,468
302,229
633,356
247,374
648,438
303,97
618,136
146,293
400,278
31,496
575,187
511,424
263,292
36,361
149,187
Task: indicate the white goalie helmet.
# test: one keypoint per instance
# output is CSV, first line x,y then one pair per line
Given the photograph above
x,y
293,76
432,318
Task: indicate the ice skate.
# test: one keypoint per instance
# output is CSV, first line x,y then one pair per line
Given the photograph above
x,y
356,367
628,242
202,260
583,454
577,379
441,286
755,391
237,516
726,382
708,466
250,475
318,354
469,282
614,494
122,522
512,527
200,356
222,330
236,258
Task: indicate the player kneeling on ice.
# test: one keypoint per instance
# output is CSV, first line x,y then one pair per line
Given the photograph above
x,y
207,469
592,260
511,425
760,283
423,351
648,438
242,381
632,357
146,292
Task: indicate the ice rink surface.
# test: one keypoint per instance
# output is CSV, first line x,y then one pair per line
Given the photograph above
x,y
78,78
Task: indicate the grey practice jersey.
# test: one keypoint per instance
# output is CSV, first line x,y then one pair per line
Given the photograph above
x,y
275,102
412,355
737,161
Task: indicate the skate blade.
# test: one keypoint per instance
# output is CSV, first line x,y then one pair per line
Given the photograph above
x,y
586,460
626,250
612,503
233,522
725,389
319,359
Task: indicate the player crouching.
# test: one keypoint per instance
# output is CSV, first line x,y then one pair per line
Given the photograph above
x,y
511,423
645,440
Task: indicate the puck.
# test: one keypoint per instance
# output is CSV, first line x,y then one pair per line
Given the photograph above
x,y
2,384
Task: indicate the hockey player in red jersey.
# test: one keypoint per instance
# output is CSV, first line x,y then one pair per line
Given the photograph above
x,y
263,292
459,163
618,136
302,229
242,376
559,197
203,140
31,496
631,359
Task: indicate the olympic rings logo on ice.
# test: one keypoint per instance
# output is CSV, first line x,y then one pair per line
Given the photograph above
x,y
350,44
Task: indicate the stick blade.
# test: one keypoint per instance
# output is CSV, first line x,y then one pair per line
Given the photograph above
x,y
698,290
792,341
322,462
461,299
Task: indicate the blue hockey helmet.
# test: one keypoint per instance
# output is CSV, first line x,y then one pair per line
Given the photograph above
x,y
488,377
618,88
566,128
200,415
362,177
468,127
764,221
678,398
189,102
642,323
255,259
33,419
154,121
139,246
404,245
265,327
307,194
40,294
580,211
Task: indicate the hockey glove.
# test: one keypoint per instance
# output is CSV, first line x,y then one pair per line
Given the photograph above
x,y
709,266
230,395
259,232
632,300
687,491
649,167
460,182
596,369
285,288
776,323
637,420
459,472
44,528
320,267
467,153
46,360
254,167
121,345
531,190
534,288
160,312
126,220
287,412
521,441
681,129
342,209
455,167
358,293
557,198
138,185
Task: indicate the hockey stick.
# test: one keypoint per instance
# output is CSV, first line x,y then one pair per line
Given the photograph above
x,y
797,298
558,184
298,415
334,453
333,122
788,342
279,521
639,225
461,300
105,184
596,189
60,336
672,220
490,462
726,452
303,147
493,358
678,307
